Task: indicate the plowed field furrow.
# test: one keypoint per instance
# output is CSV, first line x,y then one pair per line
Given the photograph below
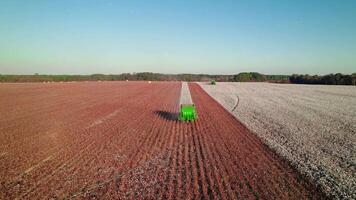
x,y
164,178
214,172
251,168
58,151
203,182
172,180
219,146
143,144
71,105
211,148
139,140
28,149
220,143
121,140
76,173
51,106
248,184
44,119
53,96
248,170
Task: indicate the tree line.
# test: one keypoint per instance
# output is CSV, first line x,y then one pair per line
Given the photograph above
x,y
331,79
143,76
257,77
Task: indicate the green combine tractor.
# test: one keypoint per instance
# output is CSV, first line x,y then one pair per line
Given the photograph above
x,y
187,113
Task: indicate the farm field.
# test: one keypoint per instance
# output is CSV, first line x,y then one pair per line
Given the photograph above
x,y
121,140
312,126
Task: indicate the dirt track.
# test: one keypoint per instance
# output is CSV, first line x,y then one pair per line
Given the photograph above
x,y
121,139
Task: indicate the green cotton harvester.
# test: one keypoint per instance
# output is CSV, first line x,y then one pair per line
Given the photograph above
x,y
187,112
187,108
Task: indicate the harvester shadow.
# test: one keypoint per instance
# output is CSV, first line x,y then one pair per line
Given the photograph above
x,y
167,115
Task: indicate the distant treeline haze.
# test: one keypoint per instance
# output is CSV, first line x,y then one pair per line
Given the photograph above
x,y
331,79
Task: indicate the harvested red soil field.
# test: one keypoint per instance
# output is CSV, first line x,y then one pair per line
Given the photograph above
x,y
121,140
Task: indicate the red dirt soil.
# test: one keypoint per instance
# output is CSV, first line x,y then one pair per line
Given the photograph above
x,y
121,140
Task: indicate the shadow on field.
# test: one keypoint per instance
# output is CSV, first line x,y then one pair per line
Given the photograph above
x,y
167,115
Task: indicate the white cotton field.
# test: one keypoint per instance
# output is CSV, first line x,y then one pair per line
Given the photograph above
x,y
312,126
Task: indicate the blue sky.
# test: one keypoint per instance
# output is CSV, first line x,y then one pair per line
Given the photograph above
x,y
215,37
